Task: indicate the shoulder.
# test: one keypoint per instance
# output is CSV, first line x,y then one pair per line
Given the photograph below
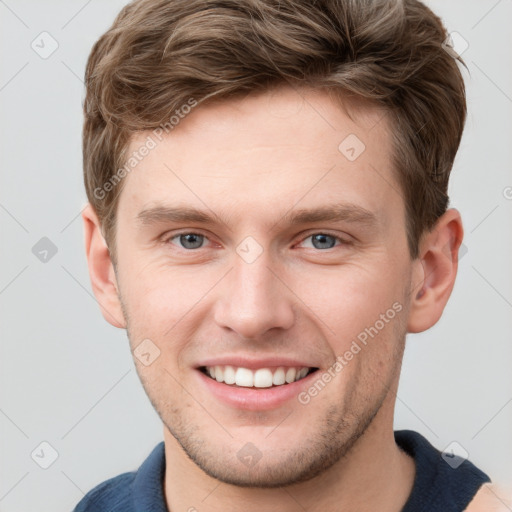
x,y
137,490
443,481
491,498
114,493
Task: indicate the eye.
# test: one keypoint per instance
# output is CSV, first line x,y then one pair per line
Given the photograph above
x,y
320,241
189,240
324,241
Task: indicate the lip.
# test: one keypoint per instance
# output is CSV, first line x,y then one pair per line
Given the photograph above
x,y
254,364
254,399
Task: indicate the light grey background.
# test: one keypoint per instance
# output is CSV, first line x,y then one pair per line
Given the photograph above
x,y
67,377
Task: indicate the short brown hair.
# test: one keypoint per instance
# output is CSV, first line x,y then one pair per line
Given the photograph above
x,y
159,54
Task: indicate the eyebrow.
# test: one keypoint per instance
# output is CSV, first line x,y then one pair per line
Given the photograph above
x,y
343,212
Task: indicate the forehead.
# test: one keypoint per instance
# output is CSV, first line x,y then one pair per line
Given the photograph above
x,y
283,148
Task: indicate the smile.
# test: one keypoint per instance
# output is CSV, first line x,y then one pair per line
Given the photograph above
x,y
256,378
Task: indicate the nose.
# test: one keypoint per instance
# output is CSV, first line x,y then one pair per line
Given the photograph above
x,y
253,299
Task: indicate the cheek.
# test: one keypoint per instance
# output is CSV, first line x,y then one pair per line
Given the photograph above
x,y
152,301
165,304
349,300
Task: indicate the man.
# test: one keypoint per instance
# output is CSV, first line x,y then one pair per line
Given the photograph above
x,y
268,219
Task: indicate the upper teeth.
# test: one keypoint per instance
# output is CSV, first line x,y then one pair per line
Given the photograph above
x,y
260,378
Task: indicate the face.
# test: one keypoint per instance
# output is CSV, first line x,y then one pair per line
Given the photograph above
x,y
264,274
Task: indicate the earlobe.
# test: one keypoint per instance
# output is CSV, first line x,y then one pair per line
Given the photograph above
x,y
101,270
435,271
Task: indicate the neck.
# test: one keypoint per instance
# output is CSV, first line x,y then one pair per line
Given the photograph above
x,y
374,475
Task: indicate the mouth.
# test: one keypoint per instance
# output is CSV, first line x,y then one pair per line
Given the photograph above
x,y
258,378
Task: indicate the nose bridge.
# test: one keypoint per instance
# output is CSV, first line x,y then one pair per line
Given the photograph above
x,y
252,283
253,300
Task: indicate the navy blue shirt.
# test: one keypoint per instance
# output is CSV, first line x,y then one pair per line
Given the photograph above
x,y
438,487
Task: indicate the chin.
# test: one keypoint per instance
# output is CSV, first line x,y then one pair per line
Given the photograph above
x,y
261,460
265,474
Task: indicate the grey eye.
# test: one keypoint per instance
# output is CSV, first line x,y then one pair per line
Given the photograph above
x,y
323,241
190,240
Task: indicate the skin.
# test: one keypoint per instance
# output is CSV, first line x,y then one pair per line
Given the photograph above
x,y
250,163
492,498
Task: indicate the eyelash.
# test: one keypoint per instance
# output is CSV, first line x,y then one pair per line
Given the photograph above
x,y
341,241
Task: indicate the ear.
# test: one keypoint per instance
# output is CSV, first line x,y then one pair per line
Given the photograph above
x,y
101,270
435,271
